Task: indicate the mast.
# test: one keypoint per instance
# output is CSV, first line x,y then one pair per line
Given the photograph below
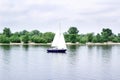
x,y
60,28
61,44
59,41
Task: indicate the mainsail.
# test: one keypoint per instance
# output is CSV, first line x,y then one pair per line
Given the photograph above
x,y
59,41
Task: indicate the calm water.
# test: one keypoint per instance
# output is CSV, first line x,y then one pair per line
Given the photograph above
x,y
79,63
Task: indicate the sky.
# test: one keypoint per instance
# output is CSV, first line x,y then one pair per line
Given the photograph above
x,y
47,15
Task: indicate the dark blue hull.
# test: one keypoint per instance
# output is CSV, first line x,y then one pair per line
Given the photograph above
x,y
56,50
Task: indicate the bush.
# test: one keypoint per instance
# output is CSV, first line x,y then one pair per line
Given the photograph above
x,y
25,38
94,39
4,39
84,39
38,39
15,39
73,38
48,36
115,39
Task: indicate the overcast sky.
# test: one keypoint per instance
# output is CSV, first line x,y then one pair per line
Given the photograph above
x,y
46,15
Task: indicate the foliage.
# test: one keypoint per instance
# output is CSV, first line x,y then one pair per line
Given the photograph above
x,y
48,36
25,38
83,39
7,32
38,39
15,39
73,38
115,39
98,37
67,37
4,39
90,37
35,32
118,37
94,39
70,36
106,33
73,30
24,32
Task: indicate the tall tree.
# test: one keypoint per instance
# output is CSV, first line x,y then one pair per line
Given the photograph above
x,y
106,33
24,32
25,38
35,32
98,36
73,30
90,36
73,38
7,32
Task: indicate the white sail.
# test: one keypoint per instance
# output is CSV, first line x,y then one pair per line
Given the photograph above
x,y
61,44
55,40
59,41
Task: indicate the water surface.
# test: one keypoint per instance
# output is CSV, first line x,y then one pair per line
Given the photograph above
x,y
79,63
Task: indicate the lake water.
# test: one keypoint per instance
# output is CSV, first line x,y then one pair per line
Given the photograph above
x,y
79,63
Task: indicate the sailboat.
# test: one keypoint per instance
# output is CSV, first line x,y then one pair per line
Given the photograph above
x,y
58,44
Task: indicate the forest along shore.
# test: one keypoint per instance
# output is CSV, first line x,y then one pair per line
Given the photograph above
x,y
72,37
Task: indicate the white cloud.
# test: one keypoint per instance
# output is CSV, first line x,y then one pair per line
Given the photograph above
x,y
48,13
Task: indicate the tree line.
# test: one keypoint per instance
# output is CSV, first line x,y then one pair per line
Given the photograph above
x,y
25,36
105,36
71,35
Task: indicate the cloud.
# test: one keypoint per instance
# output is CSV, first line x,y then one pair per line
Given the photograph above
x,y
42,14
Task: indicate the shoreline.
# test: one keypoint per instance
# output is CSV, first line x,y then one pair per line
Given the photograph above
x,y
48,44
25,44
105,43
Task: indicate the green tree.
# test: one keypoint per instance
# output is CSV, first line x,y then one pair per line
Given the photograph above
x,y
35,32
118,34
25,38
24,32
48,36
118,37
78,37
83,39
73,38
35,39
38,39
7,32
94,39
98,37
67,37
106,33
115,39
4,39
90,36
15,38
73,30
17,34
